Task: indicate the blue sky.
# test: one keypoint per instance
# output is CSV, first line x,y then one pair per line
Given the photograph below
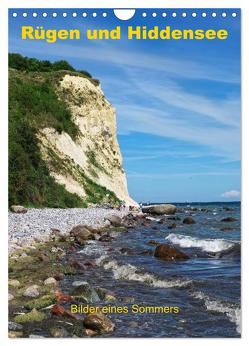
x,y
177,102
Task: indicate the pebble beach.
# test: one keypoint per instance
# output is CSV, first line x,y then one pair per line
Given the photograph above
x,y
37,224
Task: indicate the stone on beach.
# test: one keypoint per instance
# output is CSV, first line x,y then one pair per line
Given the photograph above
x,y
19,209
115,220
169,253
50,281
160,209
14,326
14,283
10,297
32,291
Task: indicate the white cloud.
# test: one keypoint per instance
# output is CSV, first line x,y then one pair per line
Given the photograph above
x,y
231,194
128,57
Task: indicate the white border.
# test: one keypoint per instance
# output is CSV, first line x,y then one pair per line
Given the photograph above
x,y
244,4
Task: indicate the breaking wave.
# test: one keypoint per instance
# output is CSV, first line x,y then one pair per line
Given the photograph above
x,y
232,312
132,273
93,248
207,245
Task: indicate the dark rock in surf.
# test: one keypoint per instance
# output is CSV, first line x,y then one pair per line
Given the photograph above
x,y
169,253
159,209
153,242
99,323
227,229
229,219
189,220
173,225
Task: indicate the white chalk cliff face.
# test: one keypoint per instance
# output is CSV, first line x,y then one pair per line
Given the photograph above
x,y
95,153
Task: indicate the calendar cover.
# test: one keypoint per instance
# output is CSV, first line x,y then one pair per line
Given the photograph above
x,y
124,173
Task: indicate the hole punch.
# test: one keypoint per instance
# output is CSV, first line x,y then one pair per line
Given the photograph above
x,y
124,14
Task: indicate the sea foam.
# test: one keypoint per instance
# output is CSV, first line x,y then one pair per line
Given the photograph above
x,y
232,312
132,273
207,245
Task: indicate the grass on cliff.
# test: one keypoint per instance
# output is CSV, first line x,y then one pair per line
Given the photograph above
x,y
33,105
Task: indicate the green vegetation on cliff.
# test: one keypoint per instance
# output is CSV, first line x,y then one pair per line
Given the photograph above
x,y
33,105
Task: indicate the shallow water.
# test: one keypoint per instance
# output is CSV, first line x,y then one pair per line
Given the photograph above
x,y
206,287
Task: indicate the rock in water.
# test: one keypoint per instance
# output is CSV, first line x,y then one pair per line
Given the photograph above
x,y
189,220
18,209
81,234
98,322
229,219
160,209
169,253
84,290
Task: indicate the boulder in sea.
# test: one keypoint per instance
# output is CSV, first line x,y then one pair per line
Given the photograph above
x,y
81,234
229,219
115,220
99,323
188,220
159,209
32,291
84,290
19,209
153,242
173,225
169,253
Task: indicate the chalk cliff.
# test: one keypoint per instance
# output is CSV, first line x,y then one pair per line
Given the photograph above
x,y
95,154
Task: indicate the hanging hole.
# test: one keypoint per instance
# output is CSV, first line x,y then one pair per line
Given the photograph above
x,y
124,14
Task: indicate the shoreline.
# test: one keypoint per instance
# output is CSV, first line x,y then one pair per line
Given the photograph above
x,y
38,223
